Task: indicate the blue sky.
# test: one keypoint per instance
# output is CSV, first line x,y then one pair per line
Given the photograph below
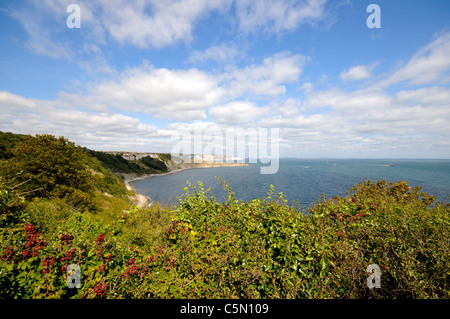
x,y
138,72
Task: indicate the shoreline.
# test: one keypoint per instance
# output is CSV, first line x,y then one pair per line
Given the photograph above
x,y
139,199
144,200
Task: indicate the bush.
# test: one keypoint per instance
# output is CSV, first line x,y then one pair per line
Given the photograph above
x,y
154,163
11,206
7,142
46,166
234,249
399,228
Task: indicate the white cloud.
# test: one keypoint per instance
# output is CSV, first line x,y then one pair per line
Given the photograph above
x,y
427,65
184,95
266,79
32,116
155,23
223,53
366,122
143,23
426,96
300,121
277,15
236,112
356,73
307,87
160,93
40,38
12,102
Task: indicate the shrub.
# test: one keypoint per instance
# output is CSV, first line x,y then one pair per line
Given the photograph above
x,y
154,163
234,249
46,166
11,205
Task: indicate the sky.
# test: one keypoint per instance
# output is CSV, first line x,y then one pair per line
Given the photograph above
x,y
137,73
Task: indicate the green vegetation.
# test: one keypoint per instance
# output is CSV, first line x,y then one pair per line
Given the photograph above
x,y
154,163
7,142
45,166
165,157
203,248
117,164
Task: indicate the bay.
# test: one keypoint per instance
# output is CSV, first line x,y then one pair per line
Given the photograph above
x,y
302,181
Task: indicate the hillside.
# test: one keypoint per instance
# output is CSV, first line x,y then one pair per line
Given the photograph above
x,y
61,206
147,166
119,165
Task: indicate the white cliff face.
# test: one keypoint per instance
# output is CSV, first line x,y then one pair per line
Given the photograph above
x,y
199,161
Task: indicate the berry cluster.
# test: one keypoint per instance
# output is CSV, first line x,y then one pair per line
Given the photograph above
x,y
132,269
154,257
102,268
100,239
170,232
34,243
98,243
171,262
130,262
30,230
7,254
100,289
357,211
47,264
179,228
222,229
68,256
66,239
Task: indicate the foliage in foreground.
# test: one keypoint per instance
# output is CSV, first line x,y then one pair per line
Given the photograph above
x,y
206,249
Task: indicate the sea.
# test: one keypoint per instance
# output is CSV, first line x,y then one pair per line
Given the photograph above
x,y
302,181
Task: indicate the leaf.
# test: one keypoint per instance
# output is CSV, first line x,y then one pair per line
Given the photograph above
x,y
23,265
323,263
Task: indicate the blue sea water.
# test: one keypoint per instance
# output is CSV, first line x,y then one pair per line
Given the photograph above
x,y
301,181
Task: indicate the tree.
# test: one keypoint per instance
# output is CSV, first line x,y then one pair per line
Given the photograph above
x,y
7,142
47,166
